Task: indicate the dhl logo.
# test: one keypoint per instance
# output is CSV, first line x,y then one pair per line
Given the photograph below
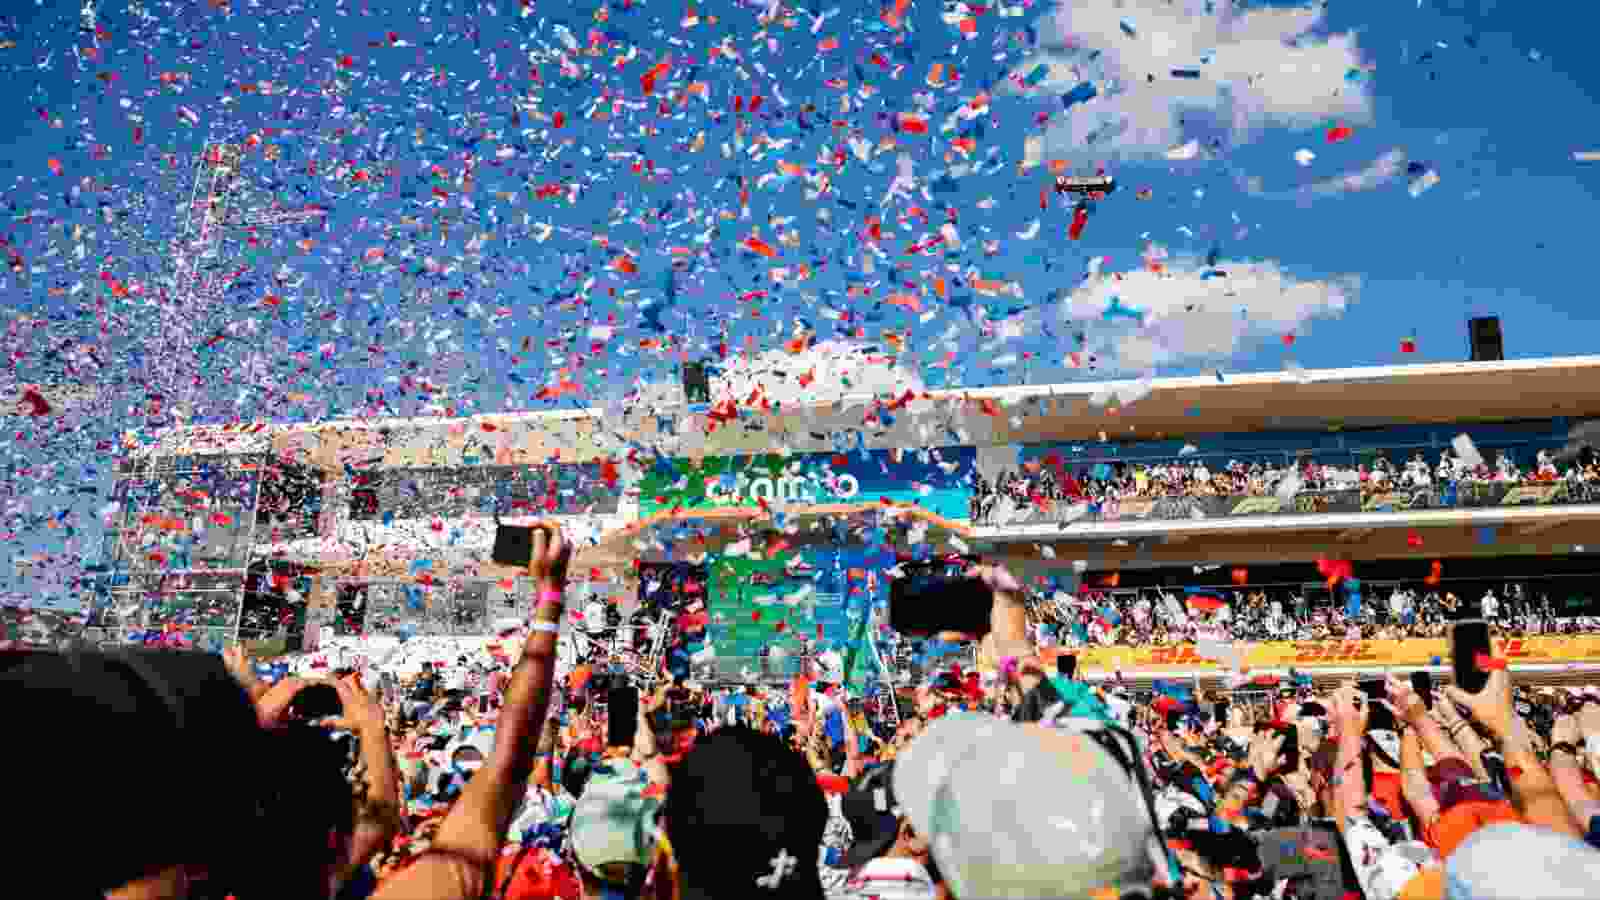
x,y
1367,651
1511,648
1174,656
1335,652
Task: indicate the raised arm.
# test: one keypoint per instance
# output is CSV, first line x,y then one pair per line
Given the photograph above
x,y
464,853
1533,791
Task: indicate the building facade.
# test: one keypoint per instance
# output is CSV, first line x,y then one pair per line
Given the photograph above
x,y
385,526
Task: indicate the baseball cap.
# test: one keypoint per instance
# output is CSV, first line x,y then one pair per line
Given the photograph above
x,y
745,817
613,831
1026,811
873,814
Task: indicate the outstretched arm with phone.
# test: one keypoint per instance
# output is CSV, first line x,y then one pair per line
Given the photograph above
x,y
1534,793
463,855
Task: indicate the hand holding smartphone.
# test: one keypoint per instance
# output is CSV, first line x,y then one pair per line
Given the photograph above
x,y
315,702
1422,685
1469,639
938,596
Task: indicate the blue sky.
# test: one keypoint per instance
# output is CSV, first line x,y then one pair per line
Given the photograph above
x,y
1491,98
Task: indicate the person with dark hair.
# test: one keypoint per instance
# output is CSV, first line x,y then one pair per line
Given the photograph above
x,y
189,722
744,818
886,857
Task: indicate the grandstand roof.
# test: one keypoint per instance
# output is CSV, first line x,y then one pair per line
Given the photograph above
x,y
1171,407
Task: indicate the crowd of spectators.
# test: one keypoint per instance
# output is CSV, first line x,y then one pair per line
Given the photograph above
x,y
1155,616
1045,486
520,781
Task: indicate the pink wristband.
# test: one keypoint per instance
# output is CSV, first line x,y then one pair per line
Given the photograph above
x,y
551,595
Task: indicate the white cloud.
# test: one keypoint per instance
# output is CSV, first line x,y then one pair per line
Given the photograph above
x,y
1184,315
1256,68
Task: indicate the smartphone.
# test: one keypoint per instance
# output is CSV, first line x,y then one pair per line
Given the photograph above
x,y
1422,684
513,544
938,596
1067,666
1380,717
1468,640
622,716
317,701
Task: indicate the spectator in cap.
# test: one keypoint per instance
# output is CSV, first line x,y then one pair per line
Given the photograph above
x,y
1024,811
744,819
886,858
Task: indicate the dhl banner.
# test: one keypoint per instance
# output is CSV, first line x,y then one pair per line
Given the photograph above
x,y
1412,653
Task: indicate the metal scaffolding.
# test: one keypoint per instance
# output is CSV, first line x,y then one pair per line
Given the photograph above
x,y
205,263
183,548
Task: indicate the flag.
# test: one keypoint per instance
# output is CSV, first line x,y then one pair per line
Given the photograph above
x,y
1408,344
1334,570
1204,600
1435,573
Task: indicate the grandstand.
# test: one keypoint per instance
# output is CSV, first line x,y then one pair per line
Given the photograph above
x,y
1103,494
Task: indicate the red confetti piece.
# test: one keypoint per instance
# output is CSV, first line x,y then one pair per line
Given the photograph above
x,y
1079,220
37,405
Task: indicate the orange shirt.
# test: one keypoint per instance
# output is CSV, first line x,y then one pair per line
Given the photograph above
x,y
1386,790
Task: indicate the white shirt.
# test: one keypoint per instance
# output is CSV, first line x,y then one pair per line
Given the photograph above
x,y
1491,604
892,878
